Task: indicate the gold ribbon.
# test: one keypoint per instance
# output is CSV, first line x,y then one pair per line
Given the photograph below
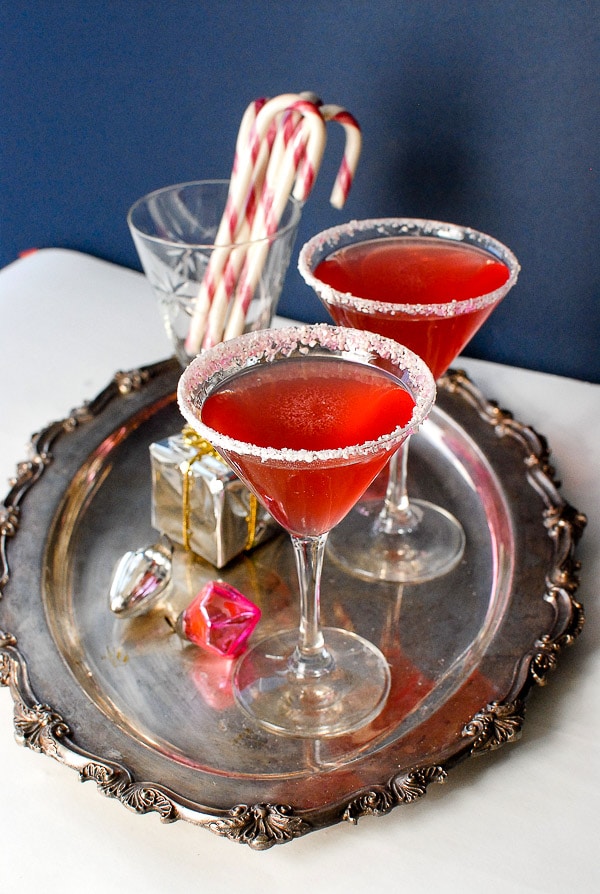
x,y
202,448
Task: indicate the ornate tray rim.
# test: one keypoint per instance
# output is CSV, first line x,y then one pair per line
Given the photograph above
x,y
41,728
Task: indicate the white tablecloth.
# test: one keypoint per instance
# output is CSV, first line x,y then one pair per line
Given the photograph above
x,y
524,818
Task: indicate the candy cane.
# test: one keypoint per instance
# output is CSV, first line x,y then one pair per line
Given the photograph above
x,y
225,285
289,149
278,185
254,133
229,273
301,162
279,150
352,151
228,226
248,119
315,147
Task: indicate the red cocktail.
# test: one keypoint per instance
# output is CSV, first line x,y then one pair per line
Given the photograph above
x,y
418,272
315,403
307,417
429,286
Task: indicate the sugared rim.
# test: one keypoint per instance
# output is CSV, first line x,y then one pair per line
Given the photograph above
x,y
229,357
159,240
328,241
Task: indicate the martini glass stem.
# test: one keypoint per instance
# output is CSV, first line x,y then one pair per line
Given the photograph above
x,y
310,657
397,515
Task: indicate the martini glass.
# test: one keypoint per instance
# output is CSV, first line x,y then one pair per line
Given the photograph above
x,y
307,417
429,285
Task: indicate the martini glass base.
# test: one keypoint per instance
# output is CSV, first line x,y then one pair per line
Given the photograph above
x,y
430,549
340,700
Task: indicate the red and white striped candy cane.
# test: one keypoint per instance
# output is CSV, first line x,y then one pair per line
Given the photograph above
x,y
278,187
228,226
254,133
289,149
226,283
315,146
278,152
352,151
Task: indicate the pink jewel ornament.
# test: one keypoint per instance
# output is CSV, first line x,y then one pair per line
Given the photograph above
x,y
219,619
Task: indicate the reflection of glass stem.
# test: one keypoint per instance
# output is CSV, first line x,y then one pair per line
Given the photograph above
x,y
312,755
398,516
390,630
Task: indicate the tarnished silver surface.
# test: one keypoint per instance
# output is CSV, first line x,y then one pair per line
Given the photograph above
x,y
124,702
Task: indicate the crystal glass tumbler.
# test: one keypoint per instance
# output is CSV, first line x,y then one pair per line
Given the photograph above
x,y
210,289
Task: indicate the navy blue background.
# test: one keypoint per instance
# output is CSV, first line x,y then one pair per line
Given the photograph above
x,y
480,113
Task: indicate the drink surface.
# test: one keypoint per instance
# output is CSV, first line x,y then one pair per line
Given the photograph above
x,y
415,271
412,270
313,404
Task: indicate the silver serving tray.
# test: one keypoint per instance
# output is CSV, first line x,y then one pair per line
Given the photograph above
x,y
152,721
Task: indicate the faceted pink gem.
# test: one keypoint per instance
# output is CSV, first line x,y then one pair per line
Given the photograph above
x,y
219,619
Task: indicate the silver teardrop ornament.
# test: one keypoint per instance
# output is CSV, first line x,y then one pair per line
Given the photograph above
x,y
139,579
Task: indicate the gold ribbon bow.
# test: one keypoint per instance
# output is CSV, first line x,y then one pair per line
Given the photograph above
x,y
202,448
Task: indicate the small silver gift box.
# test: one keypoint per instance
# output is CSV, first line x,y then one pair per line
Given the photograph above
x,y
198,502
